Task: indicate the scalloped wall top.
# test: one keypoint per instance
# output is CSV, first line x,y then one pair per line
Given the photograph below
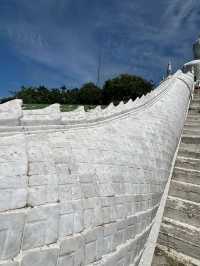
x,y
11,113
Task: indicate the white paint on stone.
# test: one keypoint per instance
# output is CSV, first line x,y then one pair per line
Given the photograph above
x,y
41,226
9,264
50,115
13,173
11,113
11,232
41,257
85,188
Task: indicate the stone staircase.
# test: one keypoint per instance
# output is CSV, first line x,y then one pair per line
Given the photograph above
x,y
179,238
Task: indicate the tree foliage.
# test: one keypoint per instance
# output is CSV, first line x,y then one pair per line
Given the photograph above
x,y
90,94
123,87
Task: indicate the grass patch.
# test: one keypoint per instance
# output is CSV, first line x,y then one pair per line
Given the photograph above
x,y
34,106
63,107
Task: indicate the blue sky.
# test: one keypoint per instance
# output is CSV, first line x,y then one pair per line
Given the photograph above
x,y
57,42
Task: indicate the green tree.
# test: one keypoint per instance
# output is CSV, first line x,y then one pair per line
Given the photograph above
x,y
89,93
125,87
120,88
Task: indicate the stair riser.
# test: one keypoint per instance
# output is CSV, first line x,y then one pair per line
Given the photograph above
x,y
196,93
196,101
191,140
195,105
193,126
179,245
195,116
193,132
192,122
168,258
194,111
186,176
190,154
193,119
183,239
188,164
183,211
187,192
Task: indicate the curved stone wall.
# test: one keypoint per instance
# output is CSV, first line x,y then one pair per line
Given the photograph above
x,y
83,188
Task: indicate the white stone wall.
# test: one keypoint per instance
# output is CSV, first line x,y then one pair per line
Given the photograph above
x,y
84,188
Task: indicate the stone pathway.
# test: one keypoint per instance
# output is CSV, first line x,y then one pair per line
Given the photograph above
x,y
179,238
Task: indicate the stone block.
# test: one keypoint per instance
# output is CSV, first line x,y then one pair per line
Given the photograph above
x,y
47,116
67,260
43,188
120,235
41,257
10,113
64,173
41,226
9,263
109,232
90,252
13,173
41,168
71,244
100,243
11,230
66,225
132,224
69,221
11,199
79,257
38,195
88,190
78,221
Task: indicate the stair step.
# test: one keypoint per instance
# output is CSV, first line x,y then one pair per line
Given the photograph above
x,y
183,210
194,132
190,139
168,257
195,98
196,93
194,112
188,163
181,237
193,121
189,152
192,125
190,147
193,118
186,175
184,190
195,105
196,101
